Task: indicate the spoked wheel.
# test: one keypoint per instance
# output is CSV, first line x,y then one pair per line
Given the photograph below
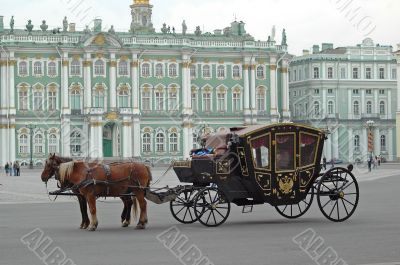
x,y
182,208
338,194
211,207
294,211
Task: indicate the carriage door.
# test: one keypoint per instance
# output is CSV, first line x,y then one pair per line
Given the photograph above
x,y
308,150
285,167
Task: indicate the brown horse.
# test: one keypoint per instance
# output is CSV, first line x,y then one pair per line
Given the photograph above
x,y
113,181
51,170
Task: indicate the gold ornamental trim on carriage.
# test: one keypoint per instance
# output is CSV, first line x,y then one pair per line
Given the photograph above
x,y
264,180
242,161
182,164
223,167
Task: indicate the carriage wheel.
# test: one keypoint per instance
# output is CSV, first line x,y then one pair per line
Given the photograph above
x,y
294,211
337,194
182,208
212,207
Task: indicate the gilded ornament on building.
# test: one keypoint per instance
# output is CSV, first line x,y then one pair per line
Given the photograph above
x,y
52,88
159,88
173,60
284,70
113,64
52,58
13,62
237,61
76,57
87,63
65,63
124,58
112,116
24,131
272,67
99,55
207,89
206,60
96,124
147,130
134,64
141,2
38,56
99,40
127,123
99,87
220,61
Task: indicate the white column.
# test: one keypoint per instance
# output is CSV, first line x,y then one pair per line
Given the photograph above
x,y
363,108
274,91
246,93
64,84
127,138
3,83
389,145
3,134
389,104
87,82
96,138
376,102
253,87
186,94
285,90
328,144
11,141
113,82
377,141
186,145
11,83
324,104
350,106
398,82
135,84
137,148
350,144
335,143
364,143
65,136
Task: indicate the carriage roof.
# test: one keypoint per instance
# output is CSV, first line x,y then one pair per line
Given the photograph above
x,y
256,129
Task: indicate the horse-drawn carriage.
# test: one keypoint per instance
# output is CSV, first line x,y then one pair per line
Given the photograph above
x,y
277,164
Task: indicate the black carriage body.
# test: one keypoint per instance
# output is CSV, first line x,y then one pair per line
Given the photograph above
x,y
276,164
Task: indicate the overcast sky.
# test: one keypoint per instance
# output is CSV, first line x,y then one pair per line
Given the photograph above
x,y
307,22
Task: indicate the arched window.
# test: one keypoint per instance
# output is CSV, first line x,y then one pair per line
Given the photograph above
x,y
195,100
75,99
195,141
52,69
207,106
98,98
172,100
76,143
123,68
145,70
221,101
356,108
38,100
23,99
193,71
206,71
316,108
383,143
173,142
260,72
146,100
99,67
369,107
23,68
52,100
23,144
316,73
38,144
159,100
330,107
76,67
146,143
37,68
172,70
236,104
159,70
221,72
330,73
236,72
160,141
123,98
382,108
53,144
260,99
357,143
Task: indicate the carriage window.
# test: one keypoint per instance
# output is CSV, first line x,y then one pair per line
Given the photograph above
x,y
260,148
284,152
308,149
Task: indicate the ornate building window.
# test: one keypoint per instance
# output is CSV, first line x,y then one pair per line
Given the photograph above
x,y
382,108
75,97
260,99
38,144
383,143
99,68
316,73
236,102
193,71
123,98
146,100
172,99
75,68
23,144
160,142
221,72
123,68
99,97
368,73
172,70
53,144
195,141
52,100
316,108
173,142
159,70
394,73
76,142
146,143
330,108
342,73
38,99
356,108
159,99
206,72
145,70
195,99
23,68
23,98
381,73
236,72
207,101
52,69
37,69
369,107
355,73
357,143
221,101
330,73
260,72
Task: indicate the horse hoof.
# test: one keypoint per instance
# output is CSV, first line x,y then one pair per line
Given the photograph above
x,y
91,229
125,224
140,227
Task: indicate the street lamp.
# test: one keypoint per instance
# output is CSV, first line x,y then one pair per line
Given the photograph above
x,y
31,127
370,125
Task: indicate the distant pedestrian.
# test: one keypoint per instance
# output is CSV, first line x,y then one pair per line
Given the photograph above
x,y
18,168
379,160
369,164
324,162
15,168
7,168
11,169
332,163
375,161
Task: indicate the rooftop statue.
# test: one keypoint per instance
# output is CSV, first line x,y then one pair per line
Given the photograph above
x,y
198,31
284,38
12,25
184,27
44,27
29,26
65,24
111,30
86,30
273,33
164,29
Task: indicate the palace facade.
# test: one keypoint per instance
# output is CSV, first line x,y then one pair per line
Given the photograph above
x,y
352,92
143,93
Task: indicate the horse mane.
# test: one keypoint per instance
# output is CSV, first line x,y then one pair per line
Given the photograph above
x,y
66,170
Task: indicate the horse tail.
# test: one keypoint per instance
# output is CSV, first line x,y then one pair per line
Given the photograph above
x,y
135,208
150,175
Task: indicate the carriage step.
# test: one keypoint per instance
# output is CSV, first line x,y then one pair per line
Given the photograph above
x,y
247,208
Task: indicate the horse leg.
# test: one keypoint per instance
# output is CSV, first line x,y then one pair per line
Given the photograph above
x,y
123,214
83,207
143,210
128,205
91,199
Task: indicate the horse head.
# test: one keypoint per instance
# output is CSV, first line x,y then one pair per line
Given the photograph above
x,y
52,166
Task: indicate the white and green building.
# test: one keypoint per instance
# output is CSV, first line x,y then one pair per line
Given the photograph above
x,y
352,92
141,93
